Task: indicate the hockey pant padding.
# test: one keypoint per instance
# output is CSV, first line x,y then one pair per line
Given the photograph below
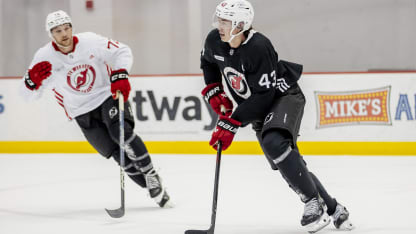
x,y
97,135
330,202
114,130
290,164
276,145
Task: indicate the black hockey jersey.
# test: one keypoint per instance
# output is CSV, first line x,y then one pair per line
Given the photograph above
x,y
252,72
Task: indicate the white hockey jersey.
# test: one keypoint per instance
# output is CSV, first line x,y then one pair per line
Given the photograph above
x,y
80,79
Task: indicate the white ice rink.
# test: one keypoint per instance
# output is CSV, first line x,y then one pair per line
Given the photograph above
x,y
67,194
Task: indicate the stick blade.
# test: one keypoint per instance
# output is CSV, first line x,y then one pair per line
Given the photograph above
x,y
197,232
118,213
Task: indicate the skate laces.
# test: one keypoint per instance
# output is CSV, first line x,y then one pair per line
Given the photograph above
x,y
339,210
312,207
152,180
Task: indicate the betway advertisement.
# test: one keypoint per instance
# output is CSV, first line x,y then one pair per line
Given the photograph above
x,y
339,107
171,108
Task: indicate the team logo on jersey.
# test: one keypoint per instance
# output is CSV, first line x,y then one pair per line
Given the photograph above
x,y
81,78
237,81
113,112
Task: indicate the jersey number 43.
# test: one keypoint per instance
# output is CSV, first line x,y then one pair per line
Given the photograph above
x,y
279,84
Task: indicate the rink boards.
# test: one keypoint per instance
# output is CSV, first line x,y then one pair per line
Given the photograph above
x,y
345,114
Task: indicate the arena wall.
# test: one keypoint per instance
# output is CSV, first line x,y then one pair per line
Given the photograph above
x,y
346,114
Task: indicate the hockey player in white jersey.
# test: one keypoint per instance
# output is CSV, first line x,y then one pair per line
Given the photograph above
x,y
85,71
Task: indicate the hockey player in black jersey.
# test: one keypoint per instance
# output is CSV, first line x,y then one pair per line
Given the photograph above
x,y
269,98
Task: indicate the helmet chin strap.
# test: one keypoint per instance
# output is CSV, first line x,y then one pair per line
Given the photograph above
x,y
233,36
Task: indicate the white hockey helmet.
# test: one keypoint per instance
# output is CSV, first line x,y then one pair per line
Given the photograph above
x,y
237,11
57,18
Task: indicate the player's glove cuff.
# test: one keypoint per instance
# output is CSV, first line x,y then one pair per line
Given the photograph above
x,y
212,90
228,124
28,82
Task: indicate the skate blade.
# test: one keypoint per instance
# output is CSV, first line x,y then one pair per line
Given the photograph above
x,y
318,225
164,200
158,198
169,204
346,225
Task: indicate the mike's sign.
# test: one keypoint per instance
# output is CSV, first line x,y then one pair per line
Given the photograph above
x,y
354,107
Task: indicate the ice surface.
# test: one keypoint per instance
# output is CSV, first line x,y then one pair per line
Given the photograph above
x,y
67,194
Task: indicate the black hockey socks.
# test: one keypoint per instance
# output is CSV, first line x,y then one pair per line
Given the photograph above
x,y
138,179
277,145
135,174
134,147
137,160
136,151
330,202
298,177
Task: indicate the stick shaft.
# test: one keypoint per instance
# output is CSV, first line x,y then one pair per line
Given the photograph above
x,y
122,157
215,196
118,213
216,184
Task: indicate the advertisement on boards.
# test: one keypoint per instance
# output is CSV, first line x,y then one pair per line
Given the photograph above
x,y
360,107
353,107
339,107
1,104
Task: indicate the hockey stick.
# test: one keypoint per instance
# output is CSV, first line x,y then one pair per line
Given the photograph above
x,y
117,213
215,198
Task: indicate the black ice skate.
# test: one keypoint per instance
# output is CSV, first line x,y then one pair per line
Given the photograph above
x,y
156,190
315,217
340,218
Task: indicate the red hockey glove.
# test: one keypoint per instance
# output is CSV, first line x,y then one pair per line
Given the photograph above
x,y
215,96
224,132
119,81
35,76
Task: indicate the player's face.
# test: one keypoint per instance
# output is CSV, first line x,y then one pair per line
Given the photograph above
x,y
224,28
63,35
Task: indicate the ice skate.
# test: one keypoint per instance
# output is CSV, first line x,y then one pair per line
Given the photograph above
x,y
315,217
340,218
156,190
